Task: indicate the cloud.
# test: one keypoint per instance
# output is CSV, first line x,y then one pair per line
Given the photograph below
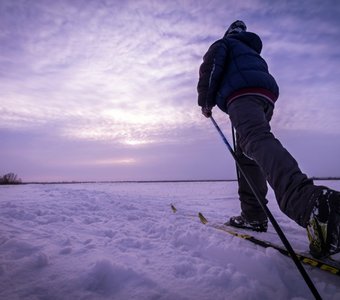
x,y
85,67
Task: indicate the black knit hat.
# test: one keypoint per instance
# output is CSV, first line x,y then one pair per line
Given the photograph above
x,y
237,26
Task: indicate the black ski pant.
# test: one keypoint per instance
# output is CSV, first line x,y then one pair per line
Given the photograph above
x,y
265,159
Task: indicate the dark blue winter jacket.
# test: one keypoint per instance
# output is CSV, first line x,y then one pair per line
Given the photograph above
x,y
232,68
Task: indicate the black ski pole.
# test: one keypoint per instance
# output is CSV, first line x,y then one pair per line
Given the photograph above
x,y
270,216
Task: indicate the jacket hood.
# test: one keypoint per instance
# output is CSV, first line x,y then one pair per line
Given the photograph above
x,y
249,38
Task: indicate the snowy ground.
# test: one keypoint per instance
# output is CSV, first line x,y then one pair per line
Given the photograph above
x,y
122,241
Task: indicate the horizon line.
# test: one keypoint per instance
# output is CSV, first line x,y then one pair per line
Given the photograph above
x,y
152,181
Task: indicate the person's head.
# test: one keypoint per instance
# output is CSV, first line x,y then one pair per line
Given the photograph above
x,y
236,27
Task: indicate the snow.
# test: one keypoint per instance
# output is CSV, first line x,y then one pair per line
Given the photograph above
x,y
122,241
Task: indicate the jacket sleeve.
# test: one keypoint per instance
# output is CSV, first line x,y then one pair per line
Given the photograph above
x,y
210,73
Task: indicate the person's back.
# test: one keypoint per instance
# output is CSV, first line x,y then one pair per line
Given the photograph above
x,y
247,72
233,67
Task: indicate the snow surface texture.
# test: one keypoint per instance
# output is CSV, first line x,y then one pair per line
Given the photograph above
x,y
122,241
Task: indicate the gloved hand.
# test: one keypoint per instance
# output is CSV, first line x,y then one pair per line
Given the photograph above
x,y
206,111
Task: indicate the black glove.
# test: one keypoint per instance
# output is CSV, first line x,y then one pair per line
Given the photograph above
x,y
206,111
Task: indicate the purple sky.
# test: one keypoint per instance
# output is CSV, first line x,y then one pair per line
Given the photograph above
x,y
106,90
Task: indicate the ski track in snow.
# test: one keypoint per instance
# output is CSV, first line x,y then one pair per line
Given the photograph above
x,y
122,241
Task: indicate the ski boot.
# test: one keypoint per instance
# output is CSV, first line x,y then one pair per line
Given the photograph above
x,y
323,228
241,222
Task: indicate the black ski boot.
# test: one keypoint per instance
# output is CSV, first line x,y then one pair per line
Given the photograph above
x,y
241,222
323,229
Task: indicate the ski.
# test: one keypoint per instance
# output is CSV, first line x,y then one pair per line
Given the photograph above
x,y
327,264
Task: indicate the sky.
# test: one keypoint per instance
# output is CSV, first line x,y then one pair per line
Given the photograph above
x,y
94,90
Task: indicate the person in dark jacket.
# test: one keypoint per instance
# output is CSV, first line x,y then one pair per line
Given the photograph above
x,y
235,77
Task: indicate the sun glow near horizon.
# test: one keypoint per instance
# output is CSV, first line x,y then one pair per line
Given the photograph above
x,y
133,127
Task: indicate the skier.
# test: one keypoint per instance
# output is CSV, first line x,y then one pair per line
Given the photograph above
x,y
235,77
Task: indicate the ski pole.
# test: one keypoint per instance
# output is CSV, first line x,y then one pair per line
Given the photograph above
x,y
234,146
276,226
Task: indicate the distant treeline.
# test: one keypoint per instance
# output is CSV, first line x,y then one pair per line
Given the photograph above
x,y
10,178
155,181
129,181
325,178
